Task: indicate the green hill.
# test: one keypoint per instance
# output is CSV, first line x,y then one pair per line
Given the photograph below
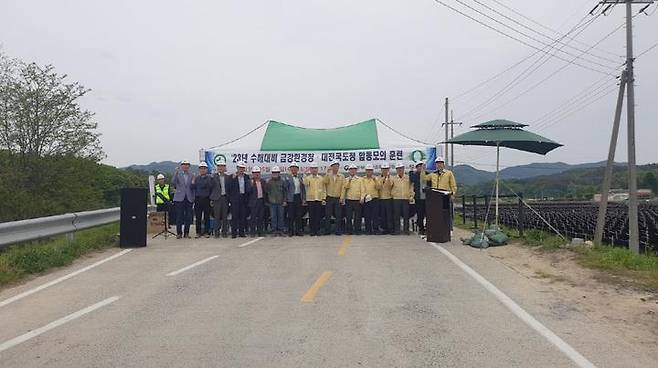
x,y
54,185
580,183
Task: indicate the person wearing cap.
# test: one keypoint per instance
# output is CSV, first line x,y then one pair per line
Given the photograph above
x,y
163,196
315,197
444,179
354,198
239,187
385,200
402,191
295,198
371,187
219,200
276,197
334,184
183,199
256,202
419,178
202,185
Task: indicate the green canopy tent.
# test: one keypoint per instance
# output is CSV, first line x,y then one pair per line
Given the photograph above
x,y
505,133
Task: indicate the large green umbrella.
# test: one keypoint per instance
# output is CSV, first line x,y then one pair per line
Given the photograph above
x,y
505,133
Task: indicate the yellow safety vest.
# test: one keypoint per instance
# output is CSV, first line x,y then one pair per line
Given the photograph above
x,y
165,193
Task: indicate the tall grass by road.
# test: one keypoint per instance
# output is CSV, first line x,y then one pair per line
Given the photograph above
x,y
19,261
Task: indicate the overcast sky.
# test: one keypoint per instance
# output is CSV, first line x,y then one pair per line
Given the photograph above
x,y
170,77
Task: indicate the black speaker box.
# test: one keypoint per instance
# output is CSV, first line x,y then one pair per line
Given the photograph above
x,y
133,217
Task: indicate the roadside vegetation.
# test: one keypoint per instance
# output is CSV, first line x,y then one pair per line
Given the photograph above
x,y
50,149
638,270
33,258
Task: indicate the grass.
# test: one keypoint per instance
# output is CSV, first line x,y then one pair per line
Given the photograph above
x,y
639,270
36,257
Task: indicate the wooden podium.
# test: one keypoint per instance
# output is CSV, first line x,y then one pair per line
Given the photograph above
x,y
437,205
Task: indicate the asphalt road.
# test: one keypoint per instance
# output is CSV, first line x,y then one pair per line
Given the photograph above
x,y
358,301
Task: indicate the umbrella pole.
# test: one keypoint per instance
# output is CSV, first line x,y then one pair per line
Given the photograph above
x,y
497,178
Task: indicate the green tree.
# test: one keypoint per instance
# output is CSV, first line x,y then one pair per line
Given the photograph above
x,y
40,114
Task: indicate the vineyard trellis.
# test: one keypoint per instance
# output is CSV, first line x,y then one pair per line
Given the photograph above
x,y
571,219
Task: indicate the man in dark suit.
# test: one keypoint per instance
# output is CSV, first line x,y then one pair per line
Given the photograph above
x,y
239,187
419,179
296,198
256,203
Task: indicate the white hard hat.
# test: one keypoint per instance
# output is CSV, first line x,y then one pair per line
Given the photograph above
x,y
439,159
352,166
203,164
334,162
399,165
419,163
385,165
255,169
369,167
160,176
220,163
184,162
241,164
293,164
312,165
276,169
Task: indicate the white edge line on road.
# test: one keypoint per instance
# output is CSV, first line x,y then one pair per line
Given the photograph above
x,y
174,273
63,278
531,321
250,242
36,332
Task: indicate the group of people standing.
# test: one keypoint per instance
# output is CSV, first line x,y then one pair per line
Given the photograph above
x,y
370,204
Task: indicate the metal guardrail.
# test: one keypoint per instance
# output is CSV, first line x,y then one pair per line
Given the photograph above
x,y
43,227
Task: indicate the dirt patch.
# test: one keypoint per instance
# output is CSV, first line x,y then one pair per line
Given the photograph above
x,y
603,297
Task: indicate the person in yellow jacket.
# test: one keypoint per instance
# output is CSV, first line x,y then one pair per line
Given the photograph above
x,y
334,185
371,187
385,200
444,179
402,191
354,196
315,196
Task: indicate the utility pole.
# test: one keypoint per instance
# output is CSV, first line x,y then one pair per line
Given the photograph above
x,y
445,150
452,124
633,228
607,177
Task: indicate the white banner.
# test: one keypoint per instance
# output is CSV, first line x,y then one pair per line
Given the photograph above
x,y
268,159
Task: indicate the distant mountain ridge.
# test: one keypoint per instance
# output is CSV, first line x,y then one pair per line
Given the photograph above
x,y
468,175
164,167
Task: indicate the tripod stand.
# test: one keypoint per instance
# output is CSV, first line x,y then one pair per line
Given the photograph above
x,y
165,231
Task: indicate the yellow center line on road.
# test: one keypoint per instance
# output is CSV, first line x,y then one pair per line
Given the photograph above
x,y
310,294
343,247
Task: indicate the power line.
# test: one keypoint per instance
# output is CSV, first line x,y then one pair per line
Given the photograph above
x,y
564,115
459,96
575,99
525,34
552,74
647,50
592,88
513,37
545,35
549,28
526,73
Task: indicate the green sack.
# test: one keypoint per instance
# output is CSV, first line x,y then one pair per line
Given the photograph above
x,y
496,237
479,240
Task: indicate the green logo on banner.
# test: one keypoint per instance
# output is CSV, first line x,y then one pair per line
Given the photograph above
x,y
219,157
418,155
